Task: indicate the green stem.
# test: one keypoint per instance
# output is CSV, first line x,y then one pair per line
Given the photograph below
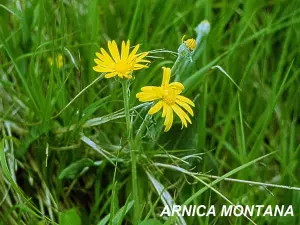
x,y
126,96
174,68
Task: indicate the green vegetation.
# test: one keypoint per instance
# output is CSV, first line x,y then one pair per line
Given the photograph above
x,y
64,154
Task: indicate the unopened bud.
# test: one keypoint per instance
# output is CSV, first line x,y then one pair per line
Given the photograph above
x,y
203,28
186,49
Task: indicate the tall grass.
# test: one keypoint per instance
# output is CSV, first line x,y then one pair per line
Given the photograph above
x,y
65,157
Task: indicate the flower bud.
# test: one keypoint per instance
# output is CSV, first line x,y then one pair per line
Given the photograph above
x,y
186,49
203,28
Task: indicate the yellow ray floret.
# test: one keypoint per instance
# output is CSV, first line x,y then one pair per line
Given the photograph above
x,y
169,100
120,64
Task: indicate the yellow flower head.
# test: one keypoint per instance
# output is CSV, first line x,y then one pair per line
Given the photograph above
x,y
190,44
58,61
170,100
121,65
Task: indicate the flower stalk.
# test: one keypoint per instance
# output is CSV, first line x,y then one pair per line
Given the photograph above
x,y
185,53
175,66
131,141
126,97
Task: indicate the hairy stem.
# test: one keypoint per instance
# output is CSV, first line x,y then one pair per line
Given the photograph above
x,y
175,68
126,96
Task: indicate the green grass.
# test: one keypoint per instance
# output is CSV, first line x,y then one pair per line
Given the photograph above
x,y
65,157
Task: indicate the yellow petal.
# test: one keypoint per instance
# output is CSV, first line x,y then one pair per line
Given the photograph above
x,y
98,61
169,119
154,93
146,97
125,50
100,56
128,44
143,61
141,56
139,66
102,69
177,86
165,107
120,75
186,116
180,113
154,109
153,90
109,75
185,106
184,99
132,54
105,66
144,94
127,75
107,57
149,88
166,77
122,49
113,48
102,64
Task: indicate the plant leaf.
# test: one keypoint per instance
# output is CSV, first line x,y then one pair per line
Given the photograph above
x,y
119,215
69,217
74,169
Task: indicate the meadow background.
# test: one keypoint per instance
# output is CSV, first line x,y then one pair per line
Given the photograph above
x,y
73,167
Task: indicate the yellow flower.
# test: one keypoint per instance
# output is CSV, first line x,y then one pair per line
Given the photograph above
x,y
58,61
121,65
190,44
169,98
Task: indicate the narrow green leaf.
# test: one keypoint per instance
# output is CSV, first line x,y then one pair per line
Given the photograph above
x,y
119,217
74,169
117,220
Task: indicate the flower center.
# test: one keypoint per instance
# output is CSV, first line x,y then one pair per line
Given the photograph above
x,y
122,67
169,96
